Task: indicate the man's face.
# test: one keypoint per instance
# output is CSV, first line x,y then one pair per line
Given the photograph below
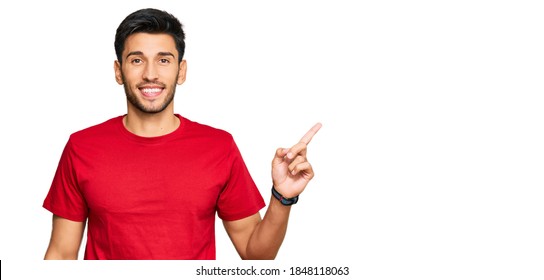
x,y
150,71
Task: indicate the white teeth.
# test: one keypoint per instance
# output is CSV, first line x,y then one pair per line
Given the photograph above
x,y
151,90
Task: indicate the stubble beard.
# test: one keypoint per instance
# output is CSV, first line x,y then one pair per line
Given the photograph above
x,y
133,99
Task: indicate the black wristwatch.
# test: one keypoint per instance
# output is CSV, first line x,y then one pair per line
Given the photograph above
x,y
283,200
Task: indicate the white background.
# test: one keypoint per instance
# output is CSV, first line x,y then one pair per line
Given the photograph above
x,y
428,166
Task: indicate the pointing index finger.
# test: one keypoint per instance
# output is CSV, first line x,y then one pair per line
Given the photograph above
x,y
310,134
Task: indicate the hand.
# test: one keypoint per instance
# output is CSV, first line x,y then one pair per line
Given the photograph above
x,y
291,170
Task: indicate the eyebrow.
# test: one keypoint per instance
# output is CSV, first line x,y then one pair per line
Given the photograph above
x,y
166,54
141,53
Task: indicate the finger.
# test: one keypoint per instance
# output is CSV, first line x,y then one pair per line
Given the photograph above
x,y
299,149
298,160
305,169
310,134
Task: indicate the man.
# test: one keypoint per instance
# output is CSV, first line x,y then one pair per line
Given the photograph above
x,y
149,183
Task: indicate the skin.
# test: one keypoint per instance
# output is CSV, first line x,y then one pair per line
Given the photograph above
x,y
150,73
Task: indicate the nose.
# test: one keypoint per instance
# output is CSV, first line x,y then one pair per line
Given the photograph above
x,y
150,72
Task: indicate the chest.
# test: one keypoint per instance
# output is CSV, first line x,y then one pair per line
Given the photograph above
x,y
152,179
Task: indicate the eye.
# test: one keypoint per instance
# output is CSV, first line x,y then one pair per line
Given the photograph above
x,y
136,61
164,61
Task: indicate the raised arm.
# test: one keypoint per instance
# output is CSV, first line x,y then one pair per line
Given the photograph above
x,y
65,240
261,239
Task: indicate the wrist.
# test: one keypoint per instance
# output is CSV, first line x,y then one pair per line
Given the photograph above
x,y
284,200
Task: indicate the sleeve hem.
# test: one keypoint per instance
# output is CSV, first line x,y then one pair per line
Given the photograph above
x,y
241,215
63,214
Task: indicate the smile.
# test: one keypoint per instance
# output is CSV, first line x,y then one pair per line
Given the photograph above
x,y
151,92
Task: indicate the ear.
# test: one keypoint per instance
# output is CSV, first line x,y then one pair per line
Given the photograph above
x,y
182,72
117,70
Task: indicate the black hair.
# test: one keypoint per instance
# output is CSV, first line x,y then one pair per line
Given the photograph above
x,y
151,21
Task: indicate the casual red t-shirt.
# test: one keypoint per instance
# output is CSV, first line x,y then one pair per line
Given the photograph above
x,y
152,198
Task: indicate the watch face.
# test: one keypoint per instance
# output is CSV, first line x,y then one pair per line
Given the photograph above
x,y
291,201
283,200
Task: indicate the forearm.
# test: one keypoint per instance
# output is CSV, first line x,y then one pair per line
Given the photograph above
x,y
54,254
65,239
269,234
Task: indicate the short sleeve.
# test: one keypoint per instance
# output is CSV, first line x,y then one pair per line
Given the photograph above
x,y
240,197
65,198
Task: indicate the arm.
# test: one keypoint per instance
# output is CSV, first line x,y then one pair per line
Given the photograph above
x,y
261,239
254,238
65,240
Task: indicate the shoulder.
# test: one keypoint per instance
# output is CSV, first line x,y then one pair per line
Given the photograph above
x,y
199,130
106,129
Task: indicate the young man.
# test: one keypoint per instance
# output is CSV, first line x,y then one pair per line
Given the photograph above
x,y
149,183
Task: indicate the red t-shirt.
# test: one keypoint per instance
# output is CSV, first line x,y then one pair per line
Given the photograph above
x,y
152,198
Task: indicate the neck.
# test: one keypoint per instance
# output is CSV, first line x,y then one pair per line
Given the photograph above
x,y
151,125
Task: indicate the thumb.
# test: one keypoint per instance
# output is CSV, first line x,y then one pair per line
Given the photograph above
x,y
280,155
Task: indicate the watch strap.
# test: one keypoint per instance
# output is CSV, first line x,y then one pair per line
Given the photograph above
x,y
285,201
